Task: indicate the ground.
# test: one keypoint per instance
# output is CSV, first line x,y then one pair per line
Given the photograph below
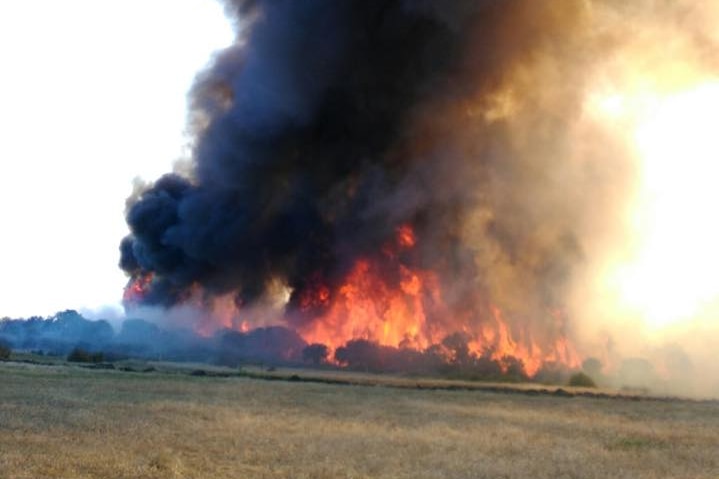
x,y
65,421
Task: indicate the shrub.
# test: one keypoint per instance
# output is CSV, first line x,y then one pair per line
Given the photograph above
x,y
592,366
581,380
79,355
315,354
4,351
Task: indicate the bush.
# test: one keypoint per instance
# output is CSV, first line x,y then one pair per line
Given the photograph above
x,y
581,380
4,351
593,367
79,355
315,354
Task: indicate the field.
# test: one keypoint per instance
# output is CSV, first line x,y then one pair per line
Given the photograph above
x,y
64,421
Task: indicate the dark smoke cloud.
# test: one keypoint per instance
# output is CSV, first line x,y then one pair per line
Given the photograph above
x,y
303,113
331,123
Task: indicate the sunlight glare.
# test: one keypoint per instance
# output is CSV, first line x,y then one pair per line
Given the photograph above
x,y
675,272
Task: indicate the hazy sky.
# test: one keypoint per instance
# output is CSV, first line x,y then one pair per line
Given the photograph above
x,y
92,95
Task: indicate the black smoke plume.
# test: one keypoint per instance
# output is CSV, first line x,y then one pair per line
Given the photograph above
x,y
330,124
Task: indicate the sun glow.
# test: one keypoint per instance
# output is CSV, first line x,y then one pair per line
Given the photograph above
x,y
671,273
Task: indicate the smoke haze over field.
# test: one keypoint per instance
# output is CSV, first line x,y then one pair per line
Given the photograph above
x,y
403,171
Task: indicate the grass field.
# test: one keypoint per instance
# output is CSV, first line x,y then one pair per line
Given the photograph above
x,y
64,421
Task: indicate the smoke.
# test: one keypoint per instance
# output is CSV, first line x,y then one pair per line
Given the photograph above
x,y
329,126
324,130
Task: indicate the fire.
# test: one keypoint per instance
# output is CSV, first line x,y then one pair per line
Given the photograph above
x,y
315,296
394,313
369,306
386,301
496,336
406,237
137,288
366,306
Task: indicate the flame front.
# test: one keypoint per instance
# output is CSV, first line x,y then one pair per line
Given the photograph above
x,y
384,300
387,302
367,307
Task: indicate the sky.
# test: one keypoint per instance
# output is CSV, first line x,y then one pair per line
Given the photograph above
x,y
92,96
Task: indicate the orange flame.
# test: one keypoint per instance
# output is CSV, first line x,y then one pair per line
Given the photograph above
x,y
368,306
387,302
406,237
137,288
497,337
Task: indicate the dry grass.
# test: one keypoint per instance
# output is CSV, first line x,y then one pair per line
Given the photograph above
x,y
68,422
